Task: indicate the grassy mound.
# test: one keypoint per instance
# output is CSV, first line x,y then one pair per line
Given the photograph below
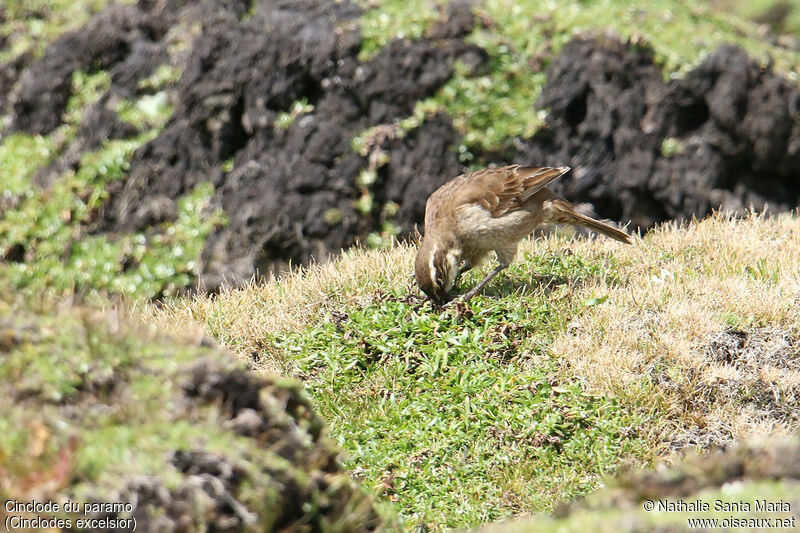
x,y
99,411
583,355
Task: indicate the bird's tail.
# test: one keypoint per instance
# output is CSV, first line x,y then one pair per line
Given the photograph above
x,y
562,212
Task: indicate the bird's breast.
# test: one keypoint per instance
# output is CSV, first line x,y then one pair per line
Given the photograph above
x,y
477,229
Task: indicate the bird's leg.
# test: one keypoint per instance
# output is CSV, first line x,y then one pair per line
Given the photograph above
x,y
482,283
464,268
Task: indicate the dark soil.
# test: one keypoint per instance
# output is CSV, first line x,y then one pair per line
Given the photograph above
x,y
123,39
734,123
292,192
642,150
750,354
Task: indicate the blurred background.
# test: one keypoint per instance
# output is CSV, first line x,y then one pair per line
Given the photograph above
x,y
152,146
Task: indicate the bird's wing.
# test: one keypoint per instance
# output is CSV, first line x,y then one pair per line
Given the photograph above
x,y
500,190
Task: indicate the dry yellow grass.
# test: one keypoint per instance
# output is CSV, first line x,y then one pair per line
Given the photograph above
x,y
241,318
682,288
658,338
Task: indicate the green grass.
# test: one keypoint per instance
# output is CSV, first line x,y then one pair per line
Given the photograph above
x,y
21,155
760,10
47,228
581,355
460,416
389,19
461,412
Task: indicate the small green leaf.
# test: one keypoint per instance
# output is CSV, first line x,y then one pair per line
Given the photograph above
x,y
591,302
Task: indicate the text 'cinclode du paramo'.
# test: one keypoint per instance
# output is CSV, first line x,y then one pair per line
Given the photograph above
x,y
26,515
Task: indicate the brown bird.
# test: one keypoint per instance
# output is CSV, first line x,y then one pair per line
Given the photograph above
x,y
491,209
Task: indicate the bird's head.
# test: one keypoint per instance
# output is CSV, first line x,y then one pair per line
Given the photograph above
x,y
436,267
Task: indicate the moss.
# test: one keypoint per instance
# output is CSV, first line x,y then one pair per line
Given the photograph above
x,y
394,19
86,90
47,229
672,146
148,111
48,225
298,108
21,156
96,404
164,76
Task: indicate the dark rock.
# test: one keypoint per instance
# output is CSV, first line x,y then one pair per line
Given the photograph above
x,y
641,149
109,39
292,191
285,182
732,121
426,151
457,20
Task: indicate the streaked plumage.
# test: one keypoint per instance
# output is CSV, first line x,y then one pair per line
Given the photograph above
x,y
489,210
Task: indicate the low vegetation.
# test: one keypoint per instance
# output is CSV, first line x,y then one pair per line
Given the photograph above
x,y
28,26
752,485
83,396
45,232
47,237
584,355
